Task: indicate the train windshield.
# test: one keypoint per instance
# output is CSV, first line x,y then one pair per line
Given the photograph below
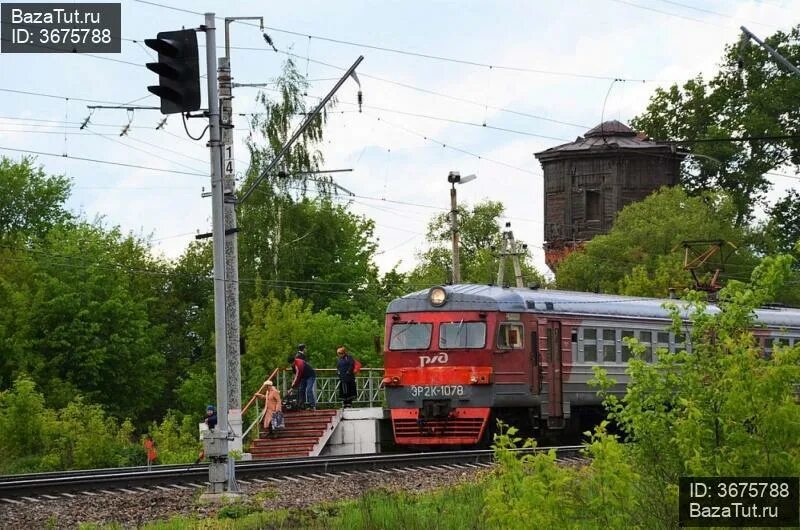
x,y
411,336
462,335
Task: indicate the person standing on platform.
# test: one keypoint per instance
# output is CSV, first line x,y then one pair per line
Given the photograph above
x,y
272,405
211,417
305,379
301,352
211,422
345,367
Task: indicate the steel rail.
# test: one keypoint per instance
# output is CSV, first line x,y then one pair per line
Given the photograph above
x,y
95,479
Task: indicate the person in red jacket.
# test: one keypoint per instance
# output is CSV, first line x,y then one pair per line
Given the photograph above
x,y
305,379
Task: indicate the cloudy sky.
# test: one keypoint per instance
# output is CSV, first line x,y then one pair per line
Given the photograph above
x,y
537,73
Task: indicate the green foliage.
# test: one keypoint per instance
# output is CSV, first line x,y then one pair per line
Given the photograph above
x,y
480,231
279,325
536,491
320,251
235,510
22,420
186,310
721,410
290,241
642,254
758,100
79,436
177,438
782,230
31,202
81,320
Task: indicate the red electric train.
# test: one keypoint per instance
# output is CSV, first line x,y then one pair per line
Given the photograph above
x,y
457,357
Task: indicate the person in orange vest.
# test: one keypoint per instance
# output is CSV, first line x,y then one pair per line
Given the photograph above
x,y
150,448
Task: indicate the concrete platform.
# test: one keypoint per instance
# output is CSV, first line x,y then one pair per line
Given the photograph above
x,y
357,433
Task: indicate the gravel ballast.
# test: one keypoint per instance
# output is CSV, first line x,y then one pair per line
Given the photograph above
x,y
138,507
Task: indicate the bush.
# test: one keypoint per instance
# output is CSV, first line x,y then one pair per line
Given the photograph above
x,y
177,439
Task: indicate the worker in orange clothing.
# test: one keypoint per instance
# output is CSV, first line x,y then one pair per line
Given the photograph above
x,y
150,448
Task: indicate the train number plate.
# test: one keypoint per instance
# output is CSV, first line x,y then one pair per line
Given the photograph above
x,y
443,391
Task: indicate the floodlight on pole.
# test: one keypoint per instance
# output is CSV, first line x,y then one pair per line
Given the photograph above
x,y
454,177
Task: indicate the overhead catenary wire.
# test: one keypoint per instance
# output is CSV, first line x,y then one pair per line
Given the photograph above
x,y
717,13
428,56
452,147
41,94
97,161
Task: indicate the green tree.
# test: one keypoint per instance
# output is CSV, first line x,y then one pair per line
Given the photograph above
x,y
642,254
31,202
290,239
82,323
760,99
186,310
782,229
480,240
22,421
721,410
278,325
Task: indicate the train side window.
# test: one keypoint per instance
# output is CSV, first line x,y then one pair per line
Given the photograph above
x,y
646,338
662,341
626,351
590,345
772,343
509,336
609,345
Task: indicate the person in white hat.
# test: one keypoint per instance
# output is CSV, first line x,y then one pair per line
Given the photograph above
x,y
272,403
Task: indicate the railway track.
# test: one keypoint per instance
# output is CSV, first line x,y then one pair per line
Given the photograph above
x,y
18,488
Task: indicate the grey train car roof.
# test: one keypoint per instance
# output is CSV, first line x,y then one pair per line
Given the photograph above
x,y
472,297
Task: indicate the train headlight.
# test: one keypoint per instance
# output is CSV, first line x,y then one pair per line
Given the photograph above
x,y
437,296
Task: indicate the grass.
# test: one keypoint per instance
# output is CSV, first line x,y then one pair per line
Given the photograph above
x,y
457,508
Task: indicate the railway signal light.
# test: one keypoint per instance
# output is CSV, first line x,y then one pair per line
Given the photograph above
x,y
178,71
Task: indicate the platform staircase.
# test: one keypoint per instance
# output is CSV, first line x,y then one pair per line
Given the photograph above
x,y
305,434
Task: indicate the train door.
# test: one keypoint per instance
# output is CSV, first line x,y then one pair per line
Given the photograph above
x,y
555,397
536,366
512,363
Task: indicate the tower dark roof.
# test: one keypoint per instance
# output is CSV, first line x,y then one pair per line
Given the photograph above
x,y
610,128
610,134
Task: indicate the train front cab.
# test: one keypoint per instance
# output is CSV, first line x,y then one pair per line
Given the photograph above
x,y
437,374
447,396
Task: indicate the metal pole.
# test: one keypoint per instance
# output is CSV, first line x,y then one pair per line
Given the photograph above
x,y
515,258
217,470
454,226
503,253
232,322
232,332
775,55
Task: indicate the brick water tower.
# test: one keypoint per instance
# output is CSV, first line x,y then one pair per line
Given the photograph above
x,y
586,182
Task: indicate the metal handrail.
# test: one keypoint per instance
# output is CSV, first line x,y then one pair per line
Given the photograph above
x,y
259,417
259,414
369,391
253,399
369,386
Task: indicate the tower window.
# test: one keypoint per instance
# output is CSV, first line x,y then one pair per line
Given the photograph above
x,y
592,205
